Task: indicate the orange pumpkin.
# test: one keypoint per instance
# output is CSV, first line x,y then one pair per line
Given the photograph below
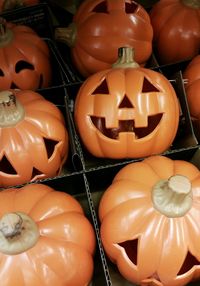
x,y
100,27
24,58
45,238
150,222
176,29
126,111
191,76
33,138
13,4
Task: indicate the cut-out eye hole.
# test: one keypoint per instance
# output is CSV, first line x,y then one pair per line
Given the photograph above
x,y
35,172
50,146
6,166
14,86
130,8
102,88
101,8
148,86
1,72
126,103
21,65
130,247
188,263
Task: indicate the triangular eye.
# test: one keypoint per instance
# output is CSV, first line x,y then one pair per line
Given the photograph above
x,y
126,103
101,8
148,86
35,172
130,8
50,146
6,166
1,72
21,65
14,86
102,88
188,263
130,247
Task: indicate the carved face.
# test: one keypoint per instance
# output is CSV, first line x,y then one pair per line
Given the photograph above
x,y
24,58
33,138
123,113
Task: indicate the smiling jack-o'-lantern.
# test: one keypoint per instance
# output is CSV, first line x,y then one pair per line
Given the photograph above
x,y
126,111
24,58
33,138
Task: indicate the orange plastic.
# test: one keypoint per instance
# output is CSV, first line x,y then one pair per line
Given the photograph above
x,y
100,27
13,4
24,58
63,252
150,222
126,111
176,29
33,138
191,76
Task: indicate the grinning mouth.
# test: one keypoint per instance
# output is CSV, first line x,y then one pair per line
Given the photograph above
x,y
127,126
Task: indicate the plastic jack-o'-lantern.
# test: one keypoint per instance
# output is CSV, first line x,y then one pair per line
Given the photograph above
x,y
126,111
45,238
13,4
33,138
176,29
100,27
150,222
24,58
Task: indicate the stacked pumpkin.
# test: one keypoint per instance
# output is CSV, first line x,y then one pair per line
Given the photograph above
x,y
125,110
33,136
45,237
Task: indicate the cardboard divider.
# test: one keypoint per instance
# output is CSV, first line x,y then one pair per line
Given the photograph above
x,y
38,17
99,180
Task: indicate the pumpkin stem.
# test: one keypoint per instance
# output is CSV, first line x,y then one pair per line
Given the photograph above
x,y
125,58
66,35
6,35
11,111
18,233
173,197
191,3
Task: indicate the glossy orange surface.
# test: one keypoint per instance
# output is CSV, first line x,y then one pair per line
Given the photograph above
x,y
176,29
24,59
37,146
104,26
148,247
126,112
63,254
192,77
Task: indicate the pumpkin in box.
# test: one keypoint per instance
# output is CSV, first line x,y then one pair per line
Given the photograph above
x,y
45,238
33,138
24,58
6,5
150,221
176,29
99,27
126,111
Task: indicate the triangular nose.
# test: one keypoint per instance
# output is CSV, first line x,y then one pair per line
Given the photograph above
x,y
126,103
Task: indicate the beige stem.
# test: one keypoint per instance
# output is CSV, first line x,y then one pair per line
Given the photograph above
x,y
18,233
11,110
191,3
66,34
125,58
173,197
